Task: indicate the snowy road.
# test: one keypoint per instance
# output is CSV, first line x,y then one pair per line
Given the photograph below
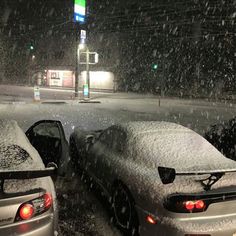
x,y
80,211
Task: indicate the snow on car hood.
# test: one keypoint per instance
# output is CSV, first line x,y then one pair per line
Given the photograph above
x,y
16,153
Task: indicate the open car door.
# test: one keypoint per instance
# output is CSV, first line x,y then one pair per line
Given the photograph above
x,y
48,138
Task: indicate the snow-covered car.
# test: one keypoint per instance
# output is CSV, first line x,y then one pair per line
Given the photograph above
x,y
223,137
28,203
161,177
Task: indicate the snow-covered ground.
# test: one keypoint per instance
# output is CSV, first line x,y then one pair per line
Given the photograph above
x,y
195,114
81,213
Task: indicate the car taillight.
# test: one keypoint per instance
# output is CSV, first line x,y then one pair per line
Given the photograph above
x,y
194,203
189,205
47,200
34,207
186,204
26,211
194,206
200,204
151,220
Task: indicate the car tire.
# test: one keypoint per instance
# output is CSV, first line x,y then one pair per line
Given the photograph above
x,y
123,207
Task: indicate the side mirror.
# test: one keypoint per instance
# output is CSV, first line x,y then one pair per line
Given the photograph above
x,y
89,139
167,175
52,164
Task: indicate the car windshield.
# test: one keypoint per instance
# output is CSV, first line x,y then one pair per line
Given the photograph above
x,y
108,91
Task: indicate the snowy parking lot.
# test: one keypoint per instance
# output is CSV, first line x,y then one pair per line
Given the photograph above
x,y
81,211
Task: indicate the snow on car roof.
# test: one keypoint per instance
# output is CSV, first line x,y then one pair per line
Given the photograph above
x,y
173,145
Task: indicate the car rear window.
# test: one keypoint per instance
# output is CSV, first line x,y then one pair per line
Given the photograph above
x,y
12,156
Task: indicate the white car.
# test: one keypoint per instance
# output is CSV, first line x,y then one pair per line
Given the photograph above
x,y
162,178
28,203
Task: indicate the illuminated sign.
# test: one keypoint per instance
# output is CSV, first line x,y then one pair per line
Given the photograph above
x,y
86,90
82,36
80,11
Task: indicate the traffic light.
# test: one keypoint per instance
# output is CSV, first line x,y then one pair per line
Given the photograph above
x,y
31,44
155,66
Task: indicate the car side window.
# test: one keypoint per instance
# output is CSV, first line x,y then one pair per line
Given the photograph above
x,y
106,138
119,140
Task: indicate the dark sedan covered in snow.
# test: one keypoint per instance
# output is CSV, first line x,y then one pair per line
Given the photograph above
x,y
28,203
162,178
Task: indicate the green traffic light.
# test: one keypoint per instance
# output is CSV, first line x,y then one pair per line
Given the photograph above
x,y
31,47
155,66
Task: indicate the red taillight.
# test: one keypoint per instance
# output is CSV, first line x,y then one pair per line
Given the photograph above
x,y
34,207
191,205
47,200
26,211
151,220
199,204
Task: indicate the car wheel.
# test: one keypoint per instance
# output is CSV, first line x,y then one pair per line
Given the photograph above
x,y
124,212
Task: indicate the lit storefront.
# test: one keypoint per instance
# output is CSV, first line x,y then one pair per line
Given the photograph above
x,y
99,80
60,78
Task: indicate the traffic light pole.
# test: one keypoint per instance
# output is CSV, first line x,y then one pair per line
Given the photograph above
x,y
77,61
87,71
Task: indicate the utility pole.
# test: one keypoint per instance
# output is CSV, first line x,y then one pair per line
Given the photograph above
x,y
87,71
77,63
79,18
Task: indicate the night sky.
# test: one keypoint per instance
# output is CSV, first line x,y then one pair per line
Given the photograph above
x,y
195,39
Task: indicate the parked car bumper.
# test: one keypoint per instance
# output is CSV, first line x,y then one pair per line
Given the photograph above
x,y
176,227
39,226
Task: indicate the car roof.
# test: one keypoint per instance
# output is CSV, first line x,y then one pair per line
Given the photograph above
x,y
172,145
136,127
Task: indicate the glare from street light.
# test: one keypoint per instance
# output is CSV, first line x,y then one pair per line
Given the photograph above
x,y
33,57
